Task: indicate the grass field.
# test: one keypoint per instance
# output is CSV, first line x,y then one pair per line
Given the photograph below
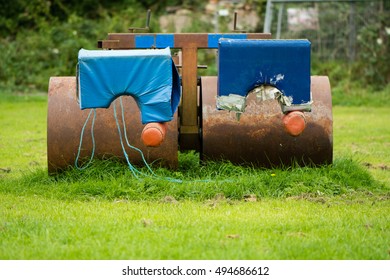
x,y
334,212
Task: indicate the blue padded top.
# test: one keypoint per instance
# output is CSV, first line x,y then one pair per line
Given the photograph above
x,y
245,64
149,76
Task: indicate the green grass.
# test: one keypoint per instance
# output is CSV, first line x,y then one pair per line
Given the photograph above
x,y
112,180
332,212
301,227
23,133
363,133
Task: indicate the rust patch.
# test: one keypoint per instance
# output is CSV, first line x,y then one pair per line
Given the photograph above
x,y
258,137
65,121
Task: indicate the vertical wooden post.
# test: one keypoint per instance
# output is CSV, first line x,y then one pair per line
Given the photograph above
x,y
189,127
189,80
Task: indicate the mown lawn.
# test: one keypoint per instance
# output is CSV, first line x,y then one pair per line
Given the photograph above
x,y
349,227
335,212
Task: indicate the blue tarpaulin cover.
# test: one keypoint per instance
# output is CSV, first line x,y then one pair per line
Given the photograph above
x,y
149,76
246,64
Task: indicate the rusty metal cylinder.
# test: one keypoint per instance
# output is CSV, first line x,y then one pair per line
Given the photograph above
x,y
65,121
258,136
255,137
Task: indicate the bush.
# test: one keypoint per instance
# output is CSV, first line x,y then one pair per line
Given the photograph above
x,y
374,55
43,40
31,57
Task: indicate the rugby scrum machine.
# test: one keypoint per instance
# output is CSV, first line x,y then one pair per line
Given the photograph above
x,y
263,108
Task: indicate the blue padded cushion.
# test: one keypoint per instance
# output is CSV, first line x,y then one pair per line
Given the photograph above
x,y
149,76
245,64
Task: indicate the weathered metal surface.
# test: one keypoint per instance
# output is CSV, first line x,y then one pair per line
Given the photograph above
x,y
257,136
65,121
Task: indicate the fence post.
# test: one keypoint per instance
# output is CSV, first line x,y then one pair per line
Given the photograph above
x,y
352,32
268,17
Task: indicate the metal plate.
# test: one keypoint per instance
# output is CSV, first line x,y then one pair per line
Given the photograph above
x,y
258,137
65,121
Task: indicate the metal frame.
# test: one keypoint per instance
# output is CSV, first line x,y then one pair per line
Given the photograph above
x,y
189,43
269,7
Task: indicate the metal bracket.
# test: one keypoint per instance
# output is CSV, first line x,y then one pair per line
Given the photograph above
x,y
143,29
235,25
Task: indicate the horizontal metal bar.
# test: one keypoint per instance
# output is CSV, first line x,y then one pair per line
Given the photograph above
x,y
199,66
178,40
108,44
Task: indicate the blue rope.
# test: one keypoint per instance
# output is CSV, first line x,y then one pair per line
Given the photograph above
x,y
136,173
131,167
153,174
127,140
81,141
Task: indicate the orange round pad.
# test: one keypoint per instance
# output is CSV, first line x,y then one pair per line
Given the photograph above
x,y
153,134
294,123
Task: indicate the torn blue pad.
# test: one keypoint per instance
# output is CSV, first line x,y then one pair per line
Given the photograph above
x,y
149,76
246,64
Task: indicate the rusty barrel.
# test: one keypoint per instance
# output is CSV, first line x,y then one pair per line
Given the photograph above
x,y
65,121
258,136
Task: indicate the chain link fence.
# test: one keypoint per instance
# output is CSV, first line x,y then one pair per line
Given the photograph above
x,y
337,29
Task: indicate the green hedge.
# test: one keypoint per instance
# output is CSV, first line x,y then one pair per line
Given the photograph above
x,y
44,41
